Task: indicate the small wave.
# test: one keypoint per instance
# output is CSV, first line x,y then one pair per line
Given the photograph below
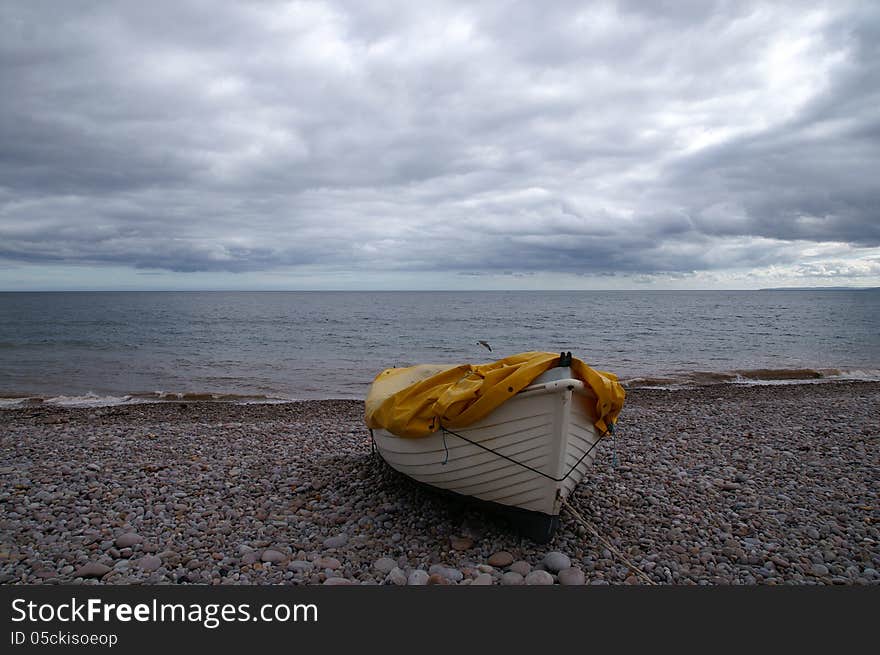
x,y
650,382
195,396
20,401
87,400
779,374
760,376
804,376
95,400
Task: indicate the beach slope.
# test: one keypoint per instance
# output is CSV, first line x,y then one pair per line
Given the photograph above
x,y
723,484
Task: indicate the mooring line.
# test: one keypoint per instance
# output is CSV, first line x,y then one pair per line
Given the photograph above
x,y
580,519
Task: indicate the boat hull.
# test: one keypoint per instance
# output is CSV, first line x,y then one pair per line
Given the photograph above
x,y
524,458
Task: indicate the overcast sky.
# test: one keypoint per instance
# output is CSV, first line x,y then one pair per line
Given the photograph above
x,y
350,145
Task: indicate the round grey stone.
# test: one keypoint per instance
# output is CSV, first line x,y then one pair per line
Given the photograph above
x,y
396,577
484,579
539,578
336,541
521,567
820,569
128,540
418,578
511,578
556,561
273,556
384,564
571,576
149,563
91,570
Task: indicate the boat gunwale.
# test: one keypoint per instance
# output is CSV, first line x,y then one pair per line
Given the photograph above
x,y
554,386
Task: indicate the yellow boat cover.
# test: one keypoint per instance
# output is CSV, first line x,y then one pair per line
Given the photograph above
x,y
416,401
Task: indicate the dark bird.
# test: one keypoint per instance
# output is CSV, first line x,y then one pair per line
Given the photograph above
x,y
485,345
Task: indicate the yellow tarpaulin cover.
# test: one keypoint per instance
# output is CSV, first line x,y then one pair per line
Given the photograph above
x,y
418,400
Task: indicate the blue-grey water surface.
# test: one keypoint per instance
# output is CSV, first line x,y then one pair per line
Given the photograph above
x,y
332,344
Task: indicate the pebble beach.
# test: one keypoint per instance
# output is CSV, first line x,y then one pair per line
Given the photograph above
x,y
714,485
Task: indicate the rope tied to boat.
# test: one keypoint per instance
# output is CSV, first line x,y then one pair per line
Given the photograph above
x,y
633,567
564,502
446,431
614,461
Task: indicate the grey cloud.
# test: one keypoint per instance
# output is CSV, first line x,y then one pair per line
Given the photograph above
x,y
454,137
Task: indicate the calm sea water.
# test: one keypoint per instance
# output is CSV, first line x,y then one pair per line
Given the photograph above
x,y
77,346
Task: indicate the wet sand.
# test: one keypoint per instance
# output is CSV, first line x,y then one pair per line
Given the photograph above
x,y
721,484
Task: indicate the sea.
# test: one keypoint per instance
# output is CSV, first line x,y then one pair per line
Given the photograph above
x,y
108,348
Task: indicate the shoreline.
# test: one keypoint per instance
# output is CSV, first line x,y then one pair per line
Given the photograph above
x,y
717,484
685,381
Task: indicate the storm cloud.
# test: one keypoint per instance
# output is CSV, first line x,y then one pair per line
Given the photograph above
x,y
722,139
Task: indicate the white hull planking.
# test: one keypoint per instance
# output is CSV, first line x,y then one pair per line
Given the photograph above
x,y
543,426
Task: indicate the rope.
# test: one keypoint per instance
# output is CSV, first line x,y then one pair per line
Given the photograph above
x,y
580,519
510,459
614,461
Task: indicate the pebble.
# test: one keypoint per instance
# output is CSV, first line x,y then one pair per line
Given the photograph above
x,y
91,570
272,556
539,578
384,564
327,563
417,577
396,577
820,569
484,579
512,578
522,567
461,543
337,541
454,575
500,559
571,576
149,563
145,492
128,540
556,561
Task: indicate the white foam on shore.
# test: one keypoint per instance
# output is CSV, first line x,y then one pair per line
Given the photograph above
x,y
690,381
13,403
95,400
88,400
674,382
867,375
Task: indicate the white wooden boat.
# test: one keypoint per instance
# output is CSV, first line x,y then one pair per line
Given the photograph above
x,y
526,456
